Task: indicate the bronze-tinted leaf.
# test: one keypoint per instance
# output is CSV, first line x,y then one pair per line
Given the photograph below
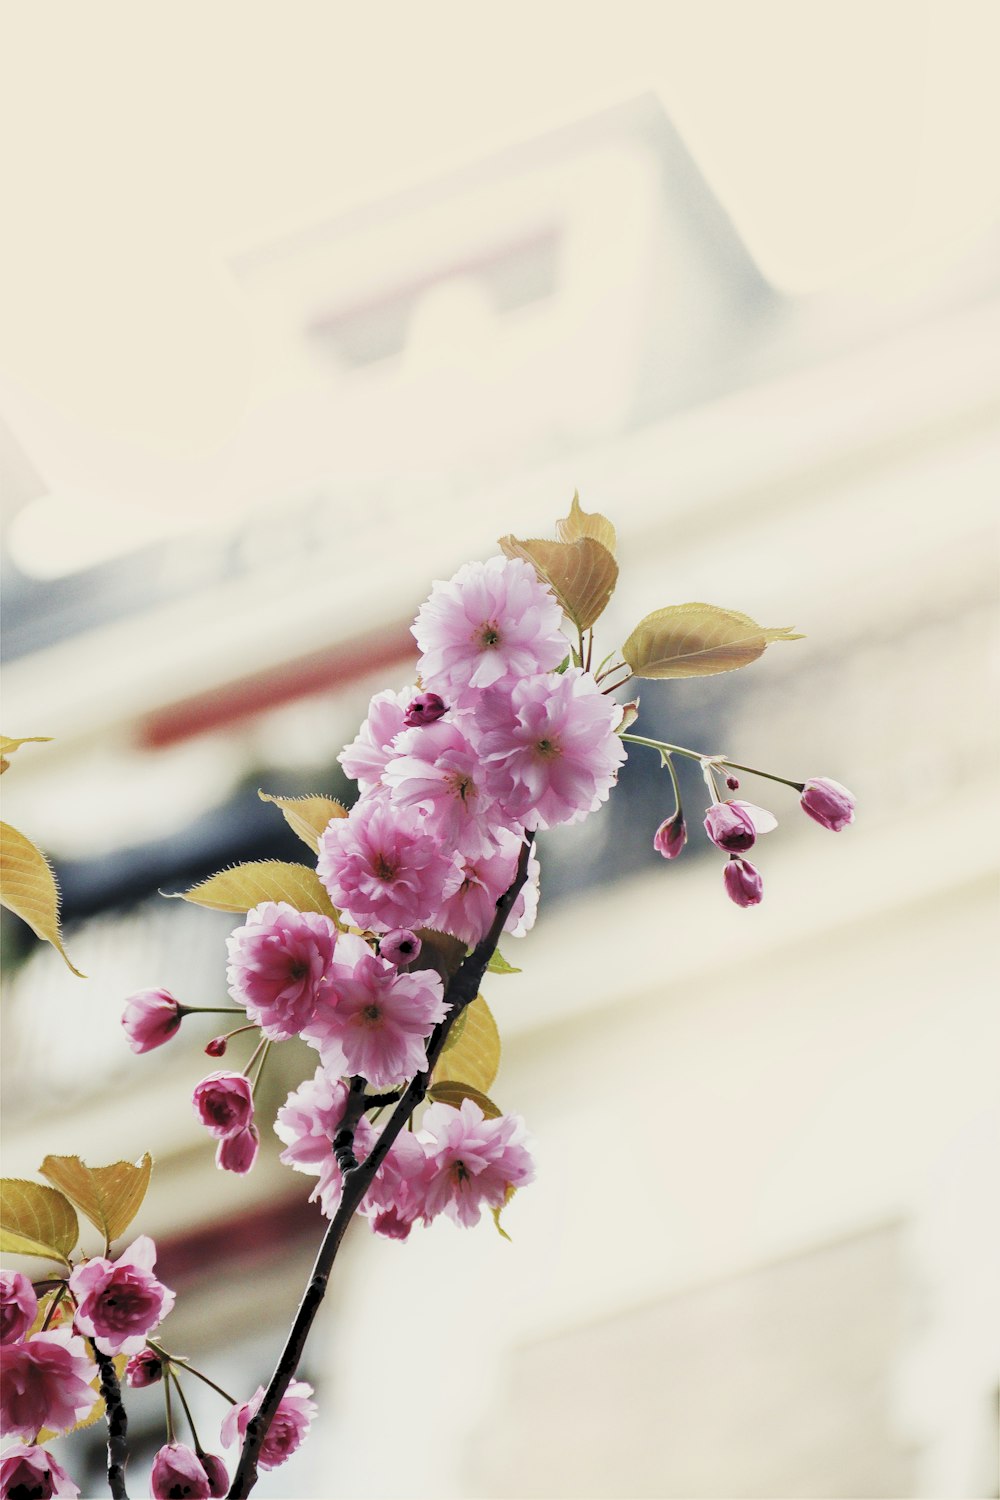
x,y
581,574
246,885
8,746
28,888
475,1057
697,640
581,523
109,1196
439,951
453,1092
36,1220
307,816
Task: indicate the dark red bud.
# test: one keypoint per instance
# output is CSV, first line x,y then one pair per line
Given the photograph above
x,y
733,783
425,708
217,1046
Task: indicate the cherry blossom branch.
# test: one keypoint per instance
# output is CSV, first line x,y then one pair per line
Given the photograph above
x,y
117,1423
462,989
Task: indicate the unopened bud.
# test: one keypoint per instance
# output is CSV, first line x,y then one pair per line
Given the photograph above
x,y
743,882
400,947
671,836
425,708
828,802
733,783
217,1046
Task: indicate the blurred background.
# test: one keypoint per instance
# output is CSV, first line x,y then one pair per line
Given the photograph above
x,y
302,307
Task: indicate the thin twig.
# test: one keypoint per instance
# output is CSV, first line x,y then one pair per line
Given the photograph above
x,y
461,991
117,1421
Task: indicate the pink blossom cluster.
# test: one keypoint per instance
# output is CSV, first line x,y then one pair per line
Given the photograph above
x,y
498,741
48,1378
459,1161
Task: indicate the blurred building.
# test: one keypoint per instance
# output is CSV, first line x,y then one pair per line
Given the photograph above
x,y
761,1256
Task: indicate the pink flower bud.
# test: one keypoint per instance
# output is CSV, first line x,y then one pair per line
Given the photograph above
x,y
734,826
400,947
224,1103
733,783
18,1305
743,882
425,708
144,1368
216,1474
238,1152
27,1472
828,802
177,1470
150,1018
217,1046
671,836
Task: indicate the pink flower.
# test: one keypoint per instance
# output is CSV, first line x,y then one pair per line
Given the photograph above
x,y
742,881
425,708
18,1305
287,1432
28,1473
238,1152
469,911
179,1472
550,748
734,826
525,908
492,623
279,961
470,1160
395,1198
119,1302
224,1103
144,1368
671,836
150,1018
383,869
45,1382
828,802
380,1021
364,759
401,947
308,1121
438,771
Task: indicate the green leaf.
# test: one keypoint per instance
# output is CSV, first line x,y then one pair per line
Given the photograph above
x,y
28,888
580,524
581,574
245,886
8,746
499,965
307,816
697,640
36,1220
109,1196
453,1092
451,1040
475,1057
496,1212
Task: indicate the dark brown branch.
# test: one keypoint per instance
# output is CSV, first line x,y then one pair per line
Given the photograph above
x,y
117,1424
460,992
